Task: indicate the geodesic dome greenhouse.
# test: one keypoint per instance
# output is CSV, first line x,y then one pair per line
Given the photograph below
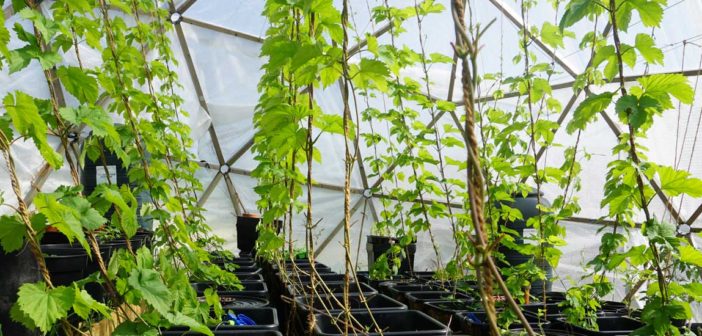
x,y
356,113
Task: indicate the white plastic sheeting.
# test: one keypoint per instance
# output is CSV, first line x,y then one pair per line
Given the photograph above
x,y
228,68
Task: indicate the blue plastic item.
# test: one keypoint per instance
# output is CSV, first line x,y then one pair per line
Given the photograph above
x,y
474,319
240,319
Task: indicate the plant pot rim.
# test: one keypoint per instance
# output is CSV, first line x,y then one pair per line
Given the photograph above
x,y
250,215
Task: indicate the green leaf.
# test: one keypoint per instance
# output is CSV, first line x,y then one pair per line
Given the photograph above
x,y
638,112
11,233
4,38
675,182
125,202
650,11
551,35
96,118
182,320
84,303
79,84
370,71
647,48
586,111
148,282
89,217
660,232
129,328
660,86
576,10
61,217
690,255
26,119
43,305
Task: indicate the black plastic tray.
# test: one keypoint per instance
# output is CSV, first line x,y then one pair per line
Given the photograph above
x,y
397,323
334,287
266,318
331,303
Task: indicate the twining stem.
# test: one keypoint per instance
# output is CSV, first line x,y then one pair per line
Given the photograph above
x,y
348,163
662,284
310,155
532,139
486,271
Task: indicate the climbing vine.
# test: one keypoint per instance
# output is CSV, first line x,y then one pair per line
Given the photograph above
x,y
135,81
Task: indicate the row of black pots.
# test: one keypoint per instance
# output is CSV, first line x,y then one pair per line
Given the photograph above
x,y
392,316
251,300
265,318
457,305
254,292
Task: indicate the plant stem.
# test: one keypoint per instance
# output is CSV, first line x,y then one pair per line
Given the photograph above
x,y
634,154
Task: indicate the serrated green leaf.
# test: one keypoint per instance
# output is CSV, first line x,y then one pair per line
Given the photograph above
x,y
43,305
62,217
149,284
79,84
370,71
660,86
11,233
89,217
26,119
182,320
576,10
690,255
4,38
372,43
660,232
647,48
637,112
551,35
84,304
129,328
96,118
675,182
586,111
125,202
650,11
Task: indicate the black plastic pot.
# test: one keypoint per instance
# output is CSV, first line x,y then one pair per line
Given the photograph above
x,y
528,206
415,300
377,245
475,323
235,301
468,287
608,325
251,288
246,233
334,287
397,291
266,318
304,266
326,277
65,263
247,264
331,303
553,297
422,275
17,268
446,310
95,172
249,277
553,311
397,323
364,276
